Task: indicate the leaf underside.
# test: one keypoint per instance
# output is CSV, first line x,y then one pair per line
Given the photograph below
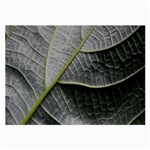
x,y
75,75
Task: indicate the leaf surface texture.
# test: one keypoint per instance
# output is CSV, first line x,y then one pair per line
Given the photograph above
x,y
75,75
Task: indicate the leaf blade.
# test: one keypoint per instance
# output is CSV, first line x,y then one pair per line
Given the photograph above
x,y
27,51
39,101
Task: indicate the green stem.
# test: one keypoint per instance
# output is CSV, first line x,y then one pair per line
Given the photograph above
x,y
39,101
8,34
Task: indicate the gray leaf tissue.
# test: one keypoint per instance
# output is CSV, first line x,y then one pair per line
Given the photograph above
x,y
75,75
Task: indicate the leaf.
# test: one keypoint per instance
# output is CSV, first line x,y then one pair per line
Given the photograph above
x,y
140,120
75,74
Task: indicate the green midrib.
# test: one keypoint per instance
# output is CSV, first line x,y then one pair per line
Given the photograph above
x,y
49,88
8,34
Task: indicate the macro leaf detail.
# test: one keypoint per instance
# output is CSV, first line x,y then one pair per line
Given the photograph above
x,y
75,75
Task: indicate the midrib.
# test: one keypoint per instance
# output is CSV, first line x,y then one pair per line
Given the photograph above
x,y
49,88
